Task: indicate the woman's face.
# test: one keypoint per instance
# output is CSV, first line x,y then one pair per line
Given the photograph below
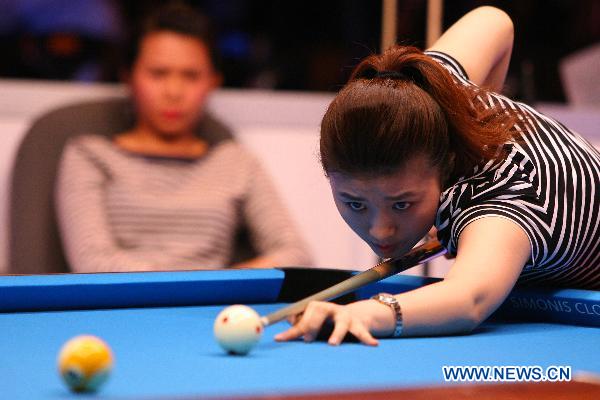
x,y
170,81
392,212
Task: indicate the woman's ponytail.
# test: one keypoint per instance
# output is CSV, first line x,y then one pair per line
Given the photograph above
x,y
403,102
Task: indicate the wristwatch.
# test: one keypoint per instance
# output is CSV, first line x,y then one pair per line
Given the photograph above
x,y
392,302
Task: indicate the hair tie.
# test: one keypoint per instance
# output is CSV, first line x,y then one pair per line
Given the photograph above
x,y
390,75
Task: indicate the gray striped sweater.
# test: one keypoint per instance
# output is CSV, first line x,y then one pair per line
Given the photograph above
x,y
120,211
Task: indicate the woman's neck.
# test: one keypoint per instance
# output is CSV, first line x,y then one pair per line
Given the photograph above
x,y
145,142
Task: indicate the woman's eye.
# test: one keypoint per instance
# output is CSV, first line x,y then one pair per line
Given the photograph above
x,y
191,75
401,205
158,73
355,205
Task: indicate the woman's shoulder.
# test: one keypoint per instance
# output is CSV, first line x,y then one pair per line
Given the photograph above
x,y
234,151
514,175
450,63
91,143
95,149
491,188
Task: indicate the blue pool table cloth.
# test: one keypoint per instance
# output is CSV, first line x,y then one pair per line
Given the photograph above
x,y
168,350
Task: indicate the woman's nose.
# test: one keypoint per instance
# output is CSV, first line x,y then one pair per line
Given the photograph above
x,y
173,88
382,228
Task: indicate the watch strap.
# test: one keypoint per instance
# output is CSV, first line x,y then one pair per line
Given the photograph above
x,y
390,301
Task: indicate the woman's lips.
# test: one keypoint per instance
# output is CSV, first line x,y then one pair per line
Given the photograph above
x,y
386,249
170,114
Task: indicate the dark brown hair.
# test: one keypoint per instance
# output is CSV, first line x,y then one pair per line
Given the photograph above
x,y
403,103
177,17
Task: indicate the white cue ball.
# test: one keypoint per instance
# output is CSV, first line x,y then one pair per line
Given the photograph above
x,y
237,329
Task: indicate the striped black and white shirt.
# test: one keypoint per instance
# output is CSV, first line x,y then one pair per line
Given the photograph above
x,y
548,184
119,211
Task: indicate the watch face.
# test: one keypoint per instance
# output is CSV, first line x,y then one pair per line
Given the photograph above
x,y
390,301
386,298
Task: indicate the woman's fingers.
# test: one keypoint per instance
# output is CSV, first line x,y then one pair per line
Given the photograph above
x,y
361,332
345,323
293,333
311,321
342,324
308,323
293,319
315,315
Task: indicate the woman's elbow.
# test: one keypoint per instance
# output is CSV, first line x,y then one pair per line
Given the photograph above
x,y
500,20
507,27
477,310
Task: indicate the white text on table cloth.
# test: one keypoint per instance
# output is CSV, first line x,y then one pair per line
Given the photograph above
x,y
555,305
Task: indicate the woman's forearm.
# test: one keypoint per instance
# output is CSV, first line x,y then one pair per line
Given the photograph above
x,y
440,308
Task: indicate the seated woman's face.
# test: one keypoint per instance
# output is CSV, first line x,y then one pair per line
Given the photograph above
x,y
391,212
170,81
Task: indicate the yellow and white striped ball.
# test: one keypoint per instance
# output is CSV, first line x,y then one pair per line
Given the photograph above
x,y
85,363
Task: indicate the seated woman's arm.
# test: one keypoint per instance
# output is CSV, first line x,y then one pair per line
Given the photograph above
x,y
481,41
272,229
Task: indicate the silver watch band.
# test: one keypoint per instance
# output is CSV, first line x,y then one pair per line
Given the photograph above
x,y
390,301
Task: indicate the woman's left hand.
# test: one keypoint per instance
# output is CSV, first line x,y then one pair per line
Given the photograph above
x,y
356,318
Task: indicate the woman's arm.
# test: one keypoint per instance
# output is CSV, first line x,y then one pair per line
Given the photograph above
x,y
491,255
274,233
481,41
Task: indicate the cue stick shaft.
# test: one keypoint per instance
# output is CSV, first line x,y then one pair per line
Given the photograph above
x,y
389,15
435,10
386,268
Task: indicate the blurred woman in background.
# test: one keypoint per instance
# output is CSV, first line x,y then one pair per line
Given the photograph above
x,y
159,197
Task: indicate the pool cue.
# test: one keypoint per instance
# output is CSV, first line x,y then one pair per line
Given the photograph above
x,y
435,19
389,13
386,268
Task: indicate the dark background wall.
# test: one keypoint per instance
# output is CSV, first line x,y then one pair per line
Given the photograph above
x,y
286,45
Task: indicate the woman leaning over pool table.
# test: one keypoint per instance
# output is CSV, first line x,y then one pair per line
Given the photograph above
x,y
420,139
